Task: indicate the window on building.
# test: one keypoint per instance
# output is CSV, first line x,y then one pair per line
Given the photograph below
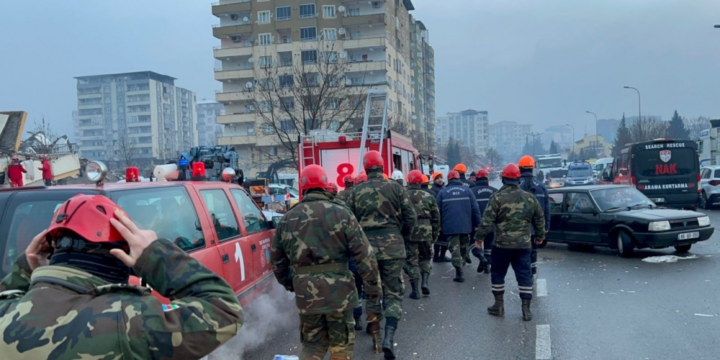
x,y
353,12
287,126
308,57
288,103
330,56
333,103
286,80
283,13
221,212
268,129
328,11
266,61
263,17
265,39
333,125
330,34
307,11
308,33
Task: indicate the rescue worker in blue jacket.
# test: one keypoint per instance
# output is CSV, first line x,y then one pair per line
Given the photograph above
x,y
535,187
460,217
482,191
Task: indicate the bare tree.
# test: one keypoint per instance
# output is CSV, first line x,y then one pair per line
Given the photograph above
x,y
695,126
315,90
645,129
43,140
126,151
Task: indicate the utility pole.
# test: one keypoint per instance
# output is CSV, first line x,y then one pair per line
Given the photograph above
x,y
534,134
597,139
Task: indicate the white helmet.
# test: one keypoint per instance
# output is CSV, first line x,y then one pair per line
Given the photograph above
x,y
397,175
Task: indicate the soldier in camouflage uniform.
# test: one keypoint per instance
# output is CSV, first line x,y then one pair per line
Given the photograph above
x,y
513,212
310,252
387,216
419,245
348,181
77,304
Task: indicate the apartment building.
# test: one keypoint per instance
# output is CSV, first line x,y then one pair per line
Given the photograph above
x,y
138,115
560,134
469,127
508,137
371,37
422,66
76,126
208,128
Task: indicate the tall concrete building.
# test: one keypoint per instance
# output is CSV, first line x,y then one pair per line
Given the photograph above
x,y
508,137
422,66
560,134
141,116
371,37
208,128
469,127
76,125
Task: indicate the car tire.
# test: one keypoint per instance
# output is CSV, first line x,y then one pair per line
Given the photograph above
x,y
683,248
624,244
543,244
704,201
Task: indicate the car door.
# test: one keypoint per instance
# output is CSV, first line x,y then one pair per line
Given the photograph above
x,y
556,217
234,250
581,227
705,179
257,231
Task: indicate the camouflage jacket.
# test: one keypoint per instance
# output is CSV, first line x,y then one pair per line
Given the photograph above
x,y
343,195
428,214
385,213
59,312
513,212
310,252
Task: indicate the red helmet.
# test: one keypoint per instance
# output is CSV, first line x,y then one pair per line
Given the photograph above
x,y
88,216
332,188
453,175
511,171
362,177
348,179
314,176
415,177
372,158
482,173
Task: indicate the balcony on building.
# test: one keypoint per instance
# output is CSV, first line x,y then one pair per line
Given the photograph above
x,y
240,89
233,24
284,40
366,78
226,7
363,36
235,68
361,15
238,112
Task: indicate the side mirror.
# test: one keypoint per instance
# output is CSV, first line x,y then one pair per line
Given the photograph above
x,y
588,210
276,221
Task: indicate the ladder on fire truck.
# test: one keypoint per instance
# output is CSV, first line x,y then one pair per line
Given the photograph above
x,y
374,121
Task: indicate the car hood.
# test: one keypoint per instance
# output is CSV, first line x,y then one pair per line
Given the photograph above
x,y
660,214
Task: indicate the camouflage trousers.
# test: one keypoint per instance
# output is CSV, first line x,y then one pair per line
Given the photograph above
x,y
459,248
393,290
320,333
419,255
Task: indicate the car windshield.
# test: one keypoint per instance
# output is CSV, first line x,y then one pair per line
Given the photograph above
x,y
655,162
576,173
619,197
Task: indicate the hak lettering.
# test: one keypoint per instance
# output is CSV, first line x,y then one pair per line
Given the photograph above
x,y
666,169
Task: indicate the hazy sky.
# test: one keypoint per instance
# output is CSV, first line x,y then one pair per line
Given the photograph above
x,y
543,62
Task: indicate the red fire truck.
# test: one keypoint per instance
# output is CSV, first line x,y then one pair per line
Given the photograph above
x,y
340,153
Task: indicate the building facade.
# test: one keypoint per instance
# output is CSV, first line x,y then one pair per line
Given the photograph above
x,y
422,67
595,145
508,137
371,39
560,134
469,127
139,117
208,128
76,125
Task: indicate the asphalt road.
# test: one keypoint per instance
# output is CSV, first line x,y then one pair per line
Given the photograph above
x,y
589,304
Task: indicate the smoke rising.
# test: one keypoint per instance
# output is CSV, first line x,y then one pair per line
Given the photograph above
x,y
265,318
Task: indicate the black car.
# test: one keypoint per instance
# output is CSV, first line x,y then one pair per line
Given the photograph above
x,y
622,218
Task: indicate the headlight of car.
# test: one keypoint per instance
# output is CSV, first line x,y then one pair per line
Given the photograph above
x,y
704,221
659,225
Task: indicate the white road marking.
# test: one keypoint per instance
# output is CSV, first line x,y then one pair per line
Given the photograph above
x,y
542,343
541,287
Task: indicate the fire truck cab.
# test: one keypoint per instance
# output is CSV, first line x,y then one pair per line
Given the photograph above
x,y
339,154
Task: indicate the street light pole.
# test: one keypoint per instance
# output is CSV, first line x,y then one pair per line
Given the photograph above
x,y
639,108
533,134
573,144
597,139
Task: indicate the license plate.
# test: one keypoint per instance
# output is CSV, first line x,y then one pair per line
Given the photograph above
x,y
690,235
658,200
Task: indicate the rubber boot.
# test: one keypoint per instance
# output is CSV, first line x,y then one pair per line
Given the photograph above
x,y
388,344
498,308
481,267
436,253
414,294
527,314
424,284
373,328
459,274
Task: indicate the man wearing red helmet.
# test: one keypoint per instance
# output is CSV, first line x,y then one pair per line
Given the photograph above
x,y
332,189
386,215
348,181
419,245
15,172
72,282
46,170
482,191
310,252
511,213
460,216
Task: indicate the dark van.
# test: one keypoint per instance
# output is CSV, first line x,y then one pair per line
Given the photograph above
x,y
665,170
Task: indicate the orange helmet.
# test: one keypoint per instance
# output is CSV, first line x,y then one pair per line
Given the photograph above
x,y
425,179
362,177
453,175
372,158
88,216
436,174
526,161
314,176
415,177
461,168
